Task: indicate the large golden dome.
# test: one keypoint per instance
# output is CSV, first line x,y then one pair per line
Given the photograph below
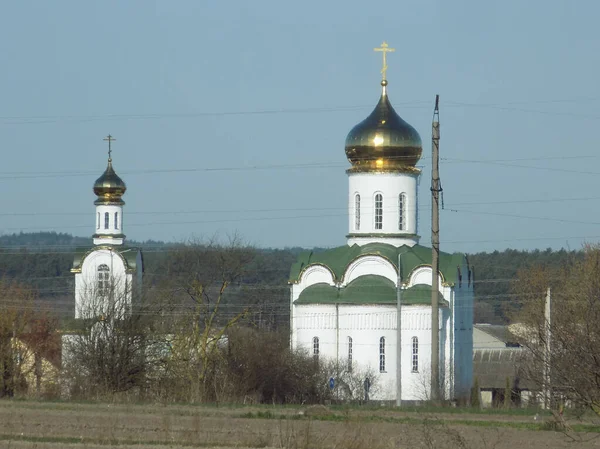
x,y
109,187
383,141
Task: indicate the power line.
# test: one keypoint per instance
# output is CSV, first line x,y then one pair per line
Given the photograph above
x,y
508,106
295,166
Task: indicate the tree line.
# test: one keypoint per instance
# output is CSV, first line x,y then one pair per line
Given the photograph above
x,y
43,261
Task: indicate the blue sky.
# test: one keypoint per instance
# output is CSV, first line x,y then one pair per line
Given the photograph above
x,y
187,87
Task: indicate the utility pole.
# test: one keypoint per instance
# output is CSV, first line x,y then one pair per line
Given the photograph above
x,y
547,350
399,335
435,253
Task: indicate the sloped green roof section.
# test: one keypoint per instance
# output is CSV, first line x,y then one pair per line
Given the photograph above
x,y
366,290
128,253
420,294
338,259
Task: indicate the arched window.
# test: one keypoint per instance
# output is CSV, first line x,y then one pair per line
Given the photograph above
x,y
379,211
402,212
316,347
382,355
116,220
98,220
415,355
349,354
106,220
103,279
357,212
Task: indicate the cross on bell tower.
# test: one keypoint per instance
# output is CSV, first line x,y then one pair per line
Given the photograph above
x,y
385,49
109,139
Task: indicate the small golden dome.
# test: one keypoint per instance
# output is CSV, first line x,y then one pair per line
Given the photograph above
x,y
383,141
109,187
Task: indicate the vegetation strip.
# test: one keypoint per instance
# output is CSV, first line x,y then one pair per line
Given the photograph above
x,y
410,420
116,442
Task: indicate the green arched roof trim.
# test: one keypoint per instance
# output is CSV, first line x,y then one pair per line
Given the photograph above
x,y
338,259
368,289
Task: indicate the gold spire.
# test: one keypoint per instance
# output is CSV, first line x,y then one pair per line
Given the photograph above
x,y
110,139
384,49
109,187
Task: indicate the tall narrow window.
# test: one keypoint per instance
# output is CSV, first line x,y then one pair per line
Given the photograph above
x,y
382,355
316,348
415,355
349,354
103,279
402,212
98,220
379,211
106,220
357,212
116,220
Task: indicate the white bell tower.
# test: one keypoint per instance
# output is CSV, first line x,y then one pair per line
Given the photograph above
x,y
383,180
109,205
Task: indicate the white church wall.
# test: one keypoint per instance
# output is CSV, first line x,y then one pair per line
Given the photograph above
x,y
314,274
390,186
366,325
370,265
316,321
87,296
109,223
422,275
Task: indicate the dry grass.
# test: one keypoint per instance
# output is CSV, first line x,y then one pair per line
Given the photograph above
x,y
60,425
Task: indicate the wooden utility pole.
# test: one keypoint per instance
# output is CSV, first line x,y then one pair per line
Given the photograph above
x,y
435,254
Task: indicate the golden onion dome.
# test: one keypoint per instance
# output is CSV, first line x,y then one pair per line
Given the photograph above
x,y
383,141
109,187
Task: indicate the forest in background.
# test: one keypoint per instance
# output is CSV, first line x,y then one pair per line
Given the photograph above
x,y
43,261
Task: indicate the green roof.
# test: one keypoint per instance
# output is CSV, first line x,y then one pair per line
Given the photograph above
x,y
368,289
338,259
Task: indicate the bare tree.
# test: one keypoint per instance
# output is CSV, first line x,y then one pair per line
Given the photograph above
x,y
27,337
204,286
116,347
563,354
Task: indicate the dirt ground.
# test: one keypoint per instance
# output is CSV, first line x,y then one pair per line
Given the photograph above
x,y
59,425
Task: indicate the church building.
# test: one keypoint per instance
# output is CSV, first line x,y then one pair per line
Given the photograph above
x,y
344,304
108,275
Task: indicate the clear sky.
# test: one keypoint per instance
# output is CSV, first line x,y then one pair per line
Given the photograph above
x,y
267,91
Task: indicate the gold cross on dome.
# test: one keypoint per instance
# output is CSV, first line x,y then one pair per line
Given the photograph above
x,y
384,49
109,139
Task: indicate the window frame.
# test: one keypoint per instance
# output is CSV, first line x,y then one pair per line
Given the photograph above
x,y
402,211
357,212
350,354
116,221
378,208
415,355
382,355
106,220
102,279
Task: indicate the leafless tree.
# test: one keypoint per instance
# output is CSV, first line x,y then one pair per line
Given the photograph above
x,y
27,338
116,347
563,354
203,286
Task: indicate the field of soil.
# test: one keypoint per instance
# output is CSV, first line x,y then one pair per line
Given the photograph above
x,y
28,424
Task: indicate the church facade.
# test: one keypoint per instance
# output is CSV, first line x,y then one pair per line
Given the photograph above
x,y
344,301
108,274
